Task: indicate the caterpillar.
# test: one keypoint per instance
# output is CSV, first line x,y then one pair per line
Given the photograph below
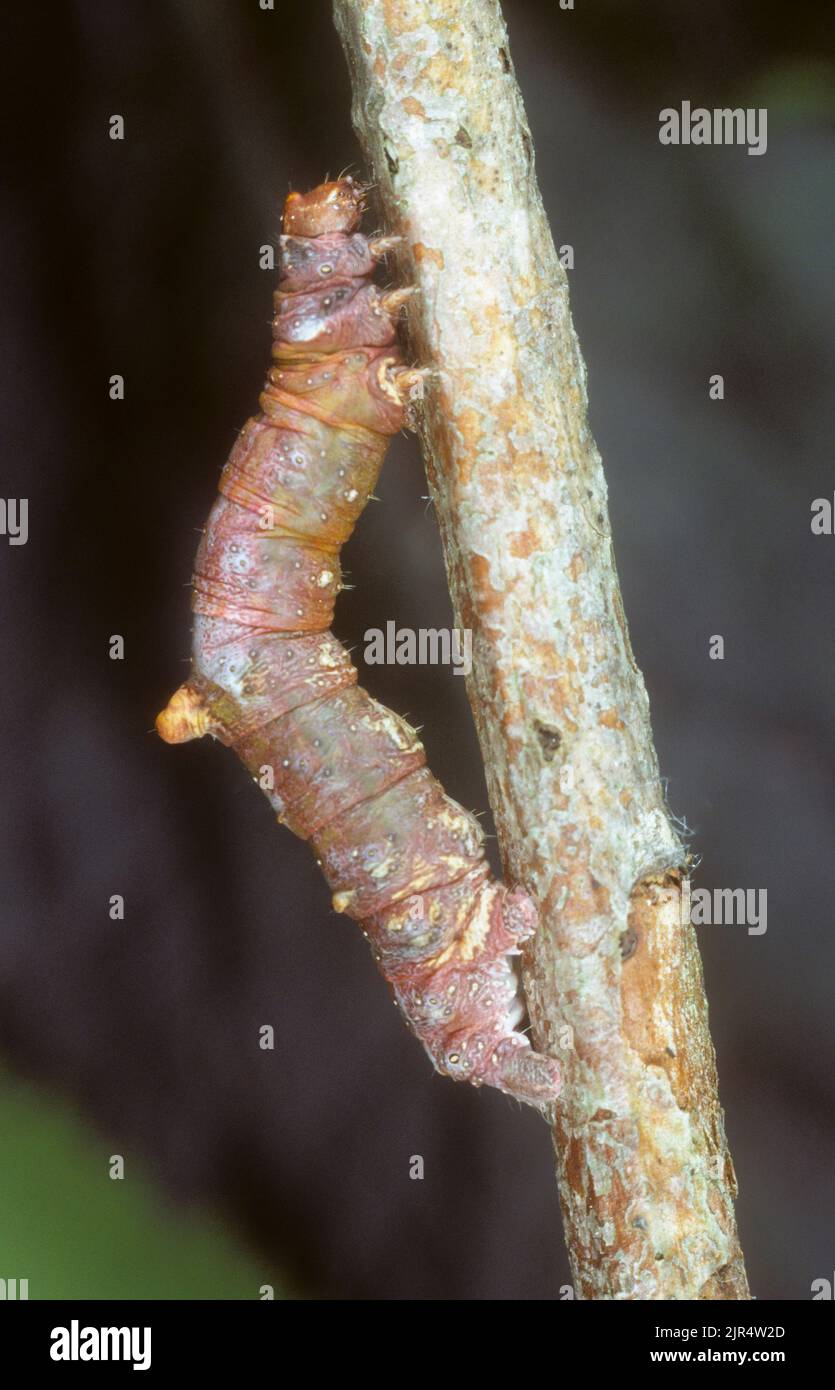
x,y
269,680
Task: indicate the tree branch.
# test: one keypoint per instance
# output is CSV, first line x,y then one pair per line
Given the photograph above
x,y
614,979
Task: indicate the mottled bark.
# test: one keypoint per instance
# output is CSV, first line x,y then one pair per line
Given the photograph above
x,y
614,979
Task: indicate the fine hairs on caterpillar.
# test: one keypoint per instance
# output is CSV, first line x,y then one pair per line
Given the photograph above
x,y
270,680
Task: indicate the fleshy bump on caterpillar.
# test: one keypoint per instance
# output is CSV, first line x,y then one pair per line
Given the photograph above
x,y
270,680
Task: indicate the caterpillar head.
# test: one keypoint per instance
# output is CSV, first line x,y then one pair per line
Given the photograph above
x,y
330,207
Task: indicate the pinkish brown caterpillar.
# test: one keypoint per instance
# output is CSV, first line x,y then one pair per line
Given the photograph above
x,y
270,680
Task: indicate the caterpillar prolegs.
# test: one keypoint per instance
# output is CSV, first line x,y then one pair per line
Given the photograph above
x,y
270,680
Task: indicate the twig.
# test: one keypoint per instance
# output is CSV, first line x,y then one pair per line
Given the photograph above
x,y
614,980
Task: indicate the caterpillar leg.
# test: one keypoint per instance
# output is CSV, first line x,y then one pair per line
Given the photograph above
x,y
380,246
402,384
393,300
466,1003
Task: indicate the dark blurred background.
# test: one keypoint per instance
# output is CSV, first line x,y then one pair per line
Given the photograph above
x,y
141,258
